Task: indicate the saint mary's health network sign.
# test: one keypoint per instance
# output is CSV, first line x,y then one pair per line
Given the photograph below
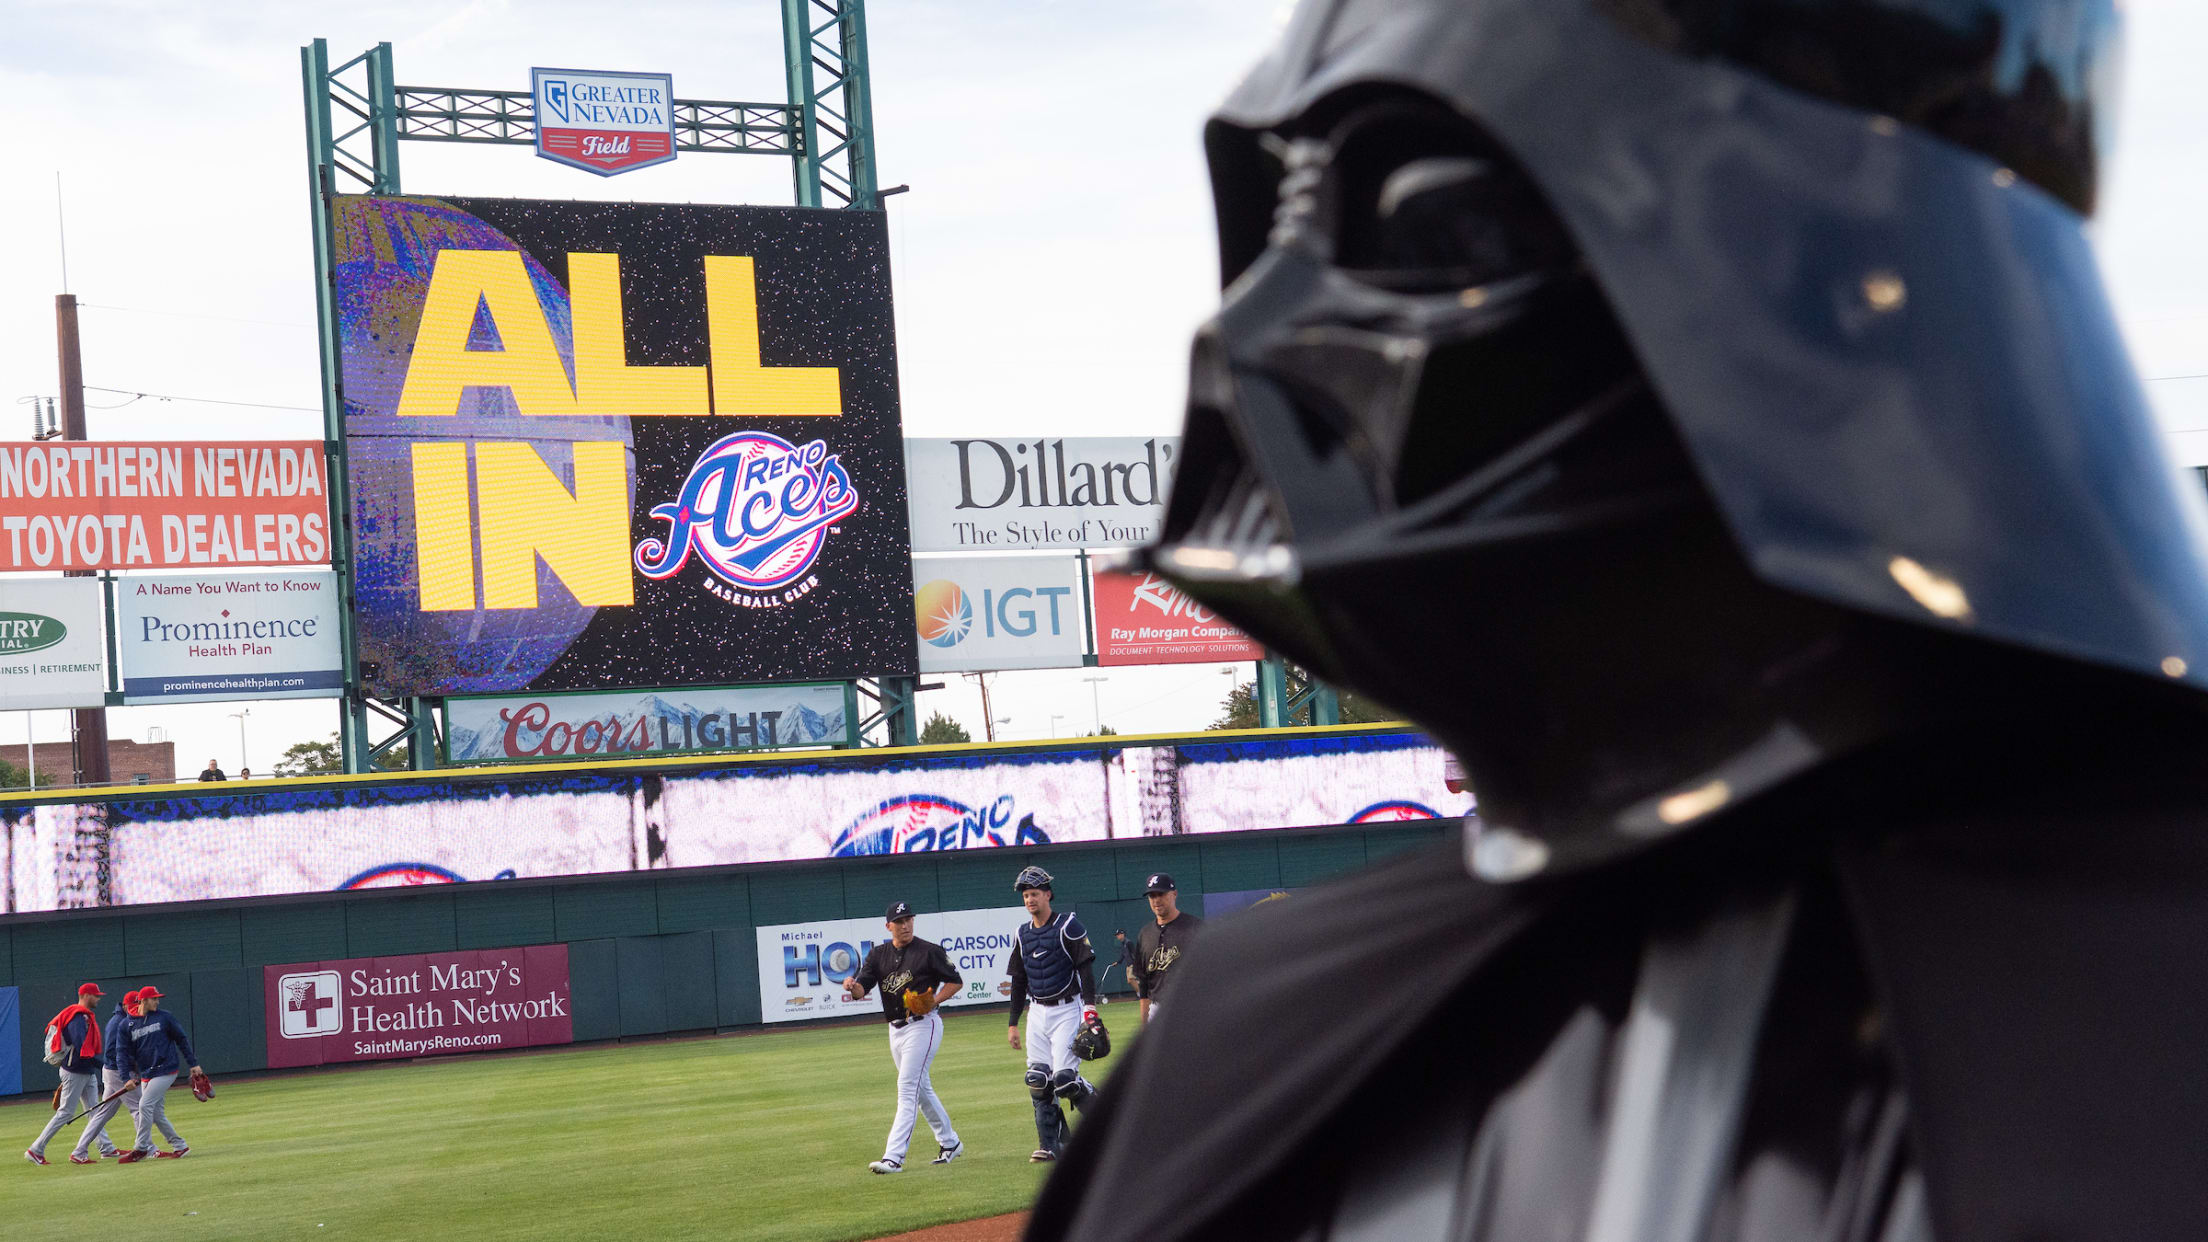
x,y
605,123
423,1004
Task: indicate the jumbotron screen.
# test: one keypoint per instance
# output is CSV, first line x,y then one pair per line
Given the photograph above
x,y
599,445
319,837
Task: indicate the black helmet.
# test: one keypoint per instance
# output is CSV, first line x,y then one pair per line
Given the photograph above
x,y
1032,877
1657,397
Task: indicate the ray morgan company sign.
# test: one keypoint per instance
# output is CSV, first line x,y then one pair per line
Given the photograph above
x,y
1075,492
418,1005
605,123
646,722
802,966
228,636
50,649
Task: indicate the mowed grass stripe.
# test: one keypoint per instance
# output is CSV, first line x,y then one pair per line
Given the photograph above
x,y
764,1136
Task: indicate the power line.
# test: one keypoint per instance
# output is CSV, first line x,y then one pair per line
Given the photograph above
x,y
140,310
135,396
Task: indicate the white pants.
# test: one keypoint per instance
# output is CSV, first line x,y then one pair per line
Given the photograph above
x,y
78,1092
1050,1032
95,1126
913,1047
152,1111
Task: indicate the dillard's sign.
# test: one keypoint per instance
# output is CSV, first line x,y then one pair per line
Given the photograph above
x,y
1072,492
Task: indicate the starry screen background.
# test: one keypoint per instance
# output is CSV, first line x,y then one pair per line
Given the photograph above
x,y
824,300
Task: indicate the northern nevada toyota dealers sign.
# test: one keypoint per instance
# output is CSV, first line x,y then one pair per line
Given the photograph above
x,y
376,1008
605,122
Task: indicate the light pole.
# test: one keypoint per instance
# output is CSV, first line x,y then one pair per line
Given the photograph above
x,y
243,762
1096,708
1054,719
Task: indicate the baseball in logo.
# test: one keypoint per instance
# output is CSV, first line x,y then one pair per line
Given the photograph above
x,y
756,511
946,615
916,823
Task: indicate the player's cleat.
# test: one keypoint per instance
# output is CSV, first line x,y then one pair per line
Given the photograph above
x,y
34,1157
944,1155
178,1154
132,1157
886,1166
74,1158
1043,1155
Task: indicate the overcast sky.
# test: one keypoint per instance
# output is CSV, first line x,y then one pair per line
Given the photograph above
x,y
1049,262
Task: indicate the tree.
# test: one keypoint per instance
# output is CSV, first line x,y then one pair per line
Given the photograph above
x,y
326,759
1239,710
311,759
12,776
942,730
1105,731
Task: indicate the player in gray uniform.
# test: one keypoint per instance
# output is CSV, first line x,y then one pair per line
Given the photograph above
x,y
1055,966
1160,943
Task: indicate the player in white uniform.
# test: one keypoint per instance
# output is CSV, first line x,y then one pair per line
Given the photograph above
x,y
915,976
1056,967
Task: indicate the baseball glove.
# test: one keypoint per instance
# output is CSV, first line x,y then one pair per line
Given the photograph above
x,y
57,1098
1092,1041
919,1002
203,1087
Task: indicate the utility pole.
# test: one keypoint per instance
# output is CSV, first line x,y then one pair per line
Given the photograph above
x,y
1096,702
988,717
88,736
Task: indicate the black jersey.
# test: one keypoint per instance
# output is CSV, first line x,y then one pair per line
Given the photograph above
x,y
921,964
1157,948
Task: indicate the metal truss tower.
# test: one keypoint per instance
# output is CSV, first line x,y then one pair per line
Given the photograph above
x,y
357,114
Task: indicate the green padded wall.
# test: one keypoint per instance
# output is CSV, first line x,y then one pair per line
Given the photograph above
x,y
491,916
183,940
412,923
1233,865
690,978
594,988
736,976
642,985
601,910
796,895
293,932
226,1027
703,903
88,948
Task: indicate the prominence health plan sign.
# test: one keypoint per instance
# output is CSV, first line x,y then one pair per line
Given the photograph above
x,y
802,966
228,636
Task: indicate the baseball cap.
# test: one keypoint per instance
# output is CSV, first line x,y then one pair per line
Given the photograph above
x,y
90,989
898,910
1160,882
130,997
149,992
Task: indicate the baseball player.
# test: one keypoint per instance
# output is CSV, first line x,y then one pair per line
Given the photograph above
x,y
155,1051
1161,943
1055,967
915,976
117,1089
76,1035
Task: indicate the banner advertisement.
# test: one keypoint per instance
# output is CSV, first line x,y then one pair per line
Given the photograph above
x,y
977,613
1071,492
600,445
445,828
208,637
11,1042
1143,619
802,966
604,123
625,723
162,504
52,651
419,1005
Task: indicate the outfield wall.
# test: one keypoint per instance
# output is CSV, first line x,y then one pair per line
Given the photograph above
x,y
650,954
194,842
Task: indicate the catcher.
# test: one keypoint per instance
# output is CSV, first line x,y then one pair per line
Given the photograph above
x,y
915,976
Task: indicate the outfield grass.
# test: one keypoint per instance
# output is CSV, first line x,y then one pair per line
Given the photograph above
x,y
754,1137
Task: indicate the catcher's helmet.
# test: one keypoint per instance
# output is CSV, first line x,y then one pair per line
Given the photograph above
x,y
1092,1041
1655,398
1031,877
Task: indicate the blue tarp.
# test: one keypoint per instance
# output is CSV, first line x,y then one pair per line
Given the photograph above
x,y
11,1044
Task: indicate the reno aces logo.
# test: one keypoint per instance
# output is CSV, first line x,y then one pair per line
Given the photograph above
x,y
409,875
918,822
756,509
